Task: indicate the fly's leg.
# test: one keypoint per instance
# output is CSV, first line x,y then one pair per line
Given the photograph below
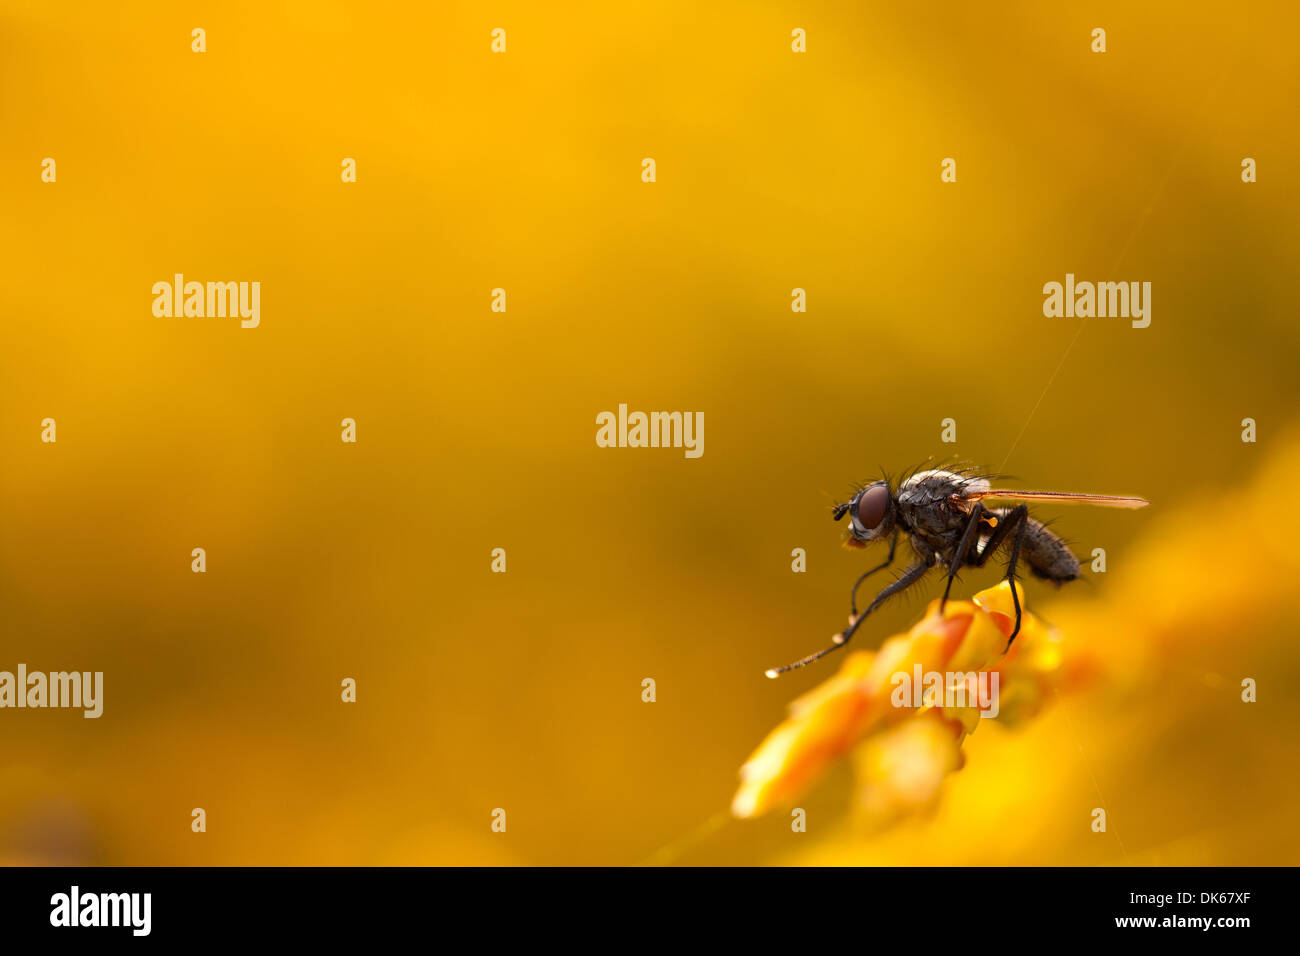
x,y
963,548
1015,521
853,595
1011,571
905,580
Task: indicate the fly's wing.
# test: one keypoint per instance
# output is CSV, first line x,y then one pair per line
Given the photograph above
x,y
1064,497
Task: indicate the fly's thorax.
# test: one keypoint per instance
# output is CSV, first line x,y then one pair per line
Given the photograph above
x,y
933,503
929,487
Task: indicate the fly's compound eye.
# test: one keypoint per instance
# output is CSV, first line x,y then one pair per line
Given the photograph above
x,y
870,506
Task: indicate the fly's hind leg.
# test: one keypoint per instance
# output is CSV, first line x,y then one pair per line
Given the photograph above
x,y
1011,571
1011,523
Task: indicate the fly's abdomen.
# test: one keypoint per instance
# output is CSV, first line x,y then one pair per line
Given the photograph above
x,y
1046,554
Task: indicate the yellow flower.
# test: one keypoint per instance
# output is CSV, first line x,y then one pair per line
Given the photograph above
x,y
903,752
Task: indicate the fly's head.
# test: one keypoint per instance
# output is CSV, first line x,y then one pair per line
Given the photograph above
x,y
871,515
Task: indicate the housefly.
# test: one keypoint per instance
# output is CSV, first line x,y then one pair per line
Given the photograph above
x,y
947,524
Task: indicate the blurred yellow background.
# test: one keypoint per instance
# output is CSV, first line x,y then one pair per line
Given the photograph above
x,y
476,429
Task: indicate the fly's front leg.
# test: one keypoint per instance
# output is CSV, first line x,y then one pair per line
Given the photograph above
x,y
905,580
853,595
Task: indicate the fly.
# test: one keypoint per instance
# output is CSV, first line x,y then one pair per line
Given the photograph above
x,y
947,524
